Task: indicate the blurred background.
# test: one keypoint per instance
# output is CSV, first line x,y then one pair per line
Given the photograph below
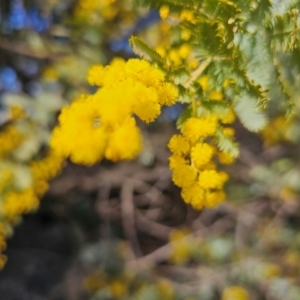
x,y
122,231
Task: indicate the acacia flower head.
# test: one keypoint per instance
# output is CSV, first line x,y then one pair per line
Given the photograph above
x,y
201,154
194,128
211,179
179,145
117,149
184,175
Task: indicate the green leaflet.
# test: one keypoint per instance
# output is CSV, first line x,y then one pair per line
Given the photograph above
x,y
287,98
212,107
140,48
181,76
282,33
226,144
251,117
221,9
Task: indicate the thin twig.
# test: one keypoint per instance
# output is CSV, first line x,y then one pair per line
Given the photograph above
x,y
128,218
23,49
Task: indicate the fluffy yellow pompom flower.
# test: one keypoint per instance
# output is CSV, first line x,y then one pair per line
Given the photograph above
x,y
201,154
167,94
146,107
194,195
96,75
194,128
184,175
118,62
91,146
209,166
114,104
141,71
225,158
212,199
111,74
125,142
179,145
211,179
175,161
80,135
235,293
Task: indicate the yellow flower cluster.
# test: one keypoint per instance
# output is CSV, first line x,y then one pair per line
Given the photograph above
x,y
192,165
102,124
16,200
235,293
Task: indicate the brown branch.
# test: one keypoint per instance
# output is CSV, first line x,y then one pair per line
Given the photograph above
x,y
23,49
162,253
128,218
152,228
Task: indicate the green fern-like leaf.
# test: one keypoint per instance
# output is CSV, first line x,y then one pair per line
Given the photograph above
x,y
140,48
226,144
260,9
287,97
221,9
212,107
210,45
181,76
244,83
283,27
251,117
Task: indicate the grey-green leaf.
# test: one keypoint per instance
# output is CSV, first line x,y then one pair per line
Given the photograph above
x,y
248,113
